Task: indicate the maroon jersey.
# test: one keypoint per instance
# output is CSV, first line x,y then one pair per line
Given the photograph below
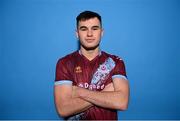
x,y
76,69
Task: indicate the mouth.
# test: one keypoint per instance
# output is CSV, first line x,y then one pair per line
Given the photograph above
x,y
89,40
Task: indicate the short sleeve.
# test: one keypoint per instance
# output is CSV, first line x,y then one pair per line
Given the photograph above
x,y
119,70
62,75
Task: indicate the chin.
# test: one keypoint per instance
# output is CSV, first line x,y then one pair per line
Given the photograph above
x,y
90,47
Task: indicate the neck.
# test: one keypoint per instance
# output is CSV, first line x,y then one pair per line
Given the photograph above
x,y
90,54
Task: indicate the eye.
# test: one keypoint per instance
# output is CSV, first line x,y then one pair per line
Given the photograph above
x,y
95,28
83,28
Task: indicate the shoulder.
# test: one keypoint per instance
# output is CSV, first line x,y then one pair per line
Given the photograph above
x,y
114,57
68,58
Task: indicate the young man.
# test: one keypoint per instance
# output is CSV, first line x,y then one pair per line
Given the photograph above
x,y
90,84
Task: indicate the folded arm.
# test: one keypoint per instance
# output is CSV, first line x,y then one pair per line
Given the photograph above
x,y
71,100
66,103
117,99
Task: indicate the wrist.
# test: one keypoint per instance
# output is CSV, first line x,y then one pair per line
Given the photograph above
x,y
82,93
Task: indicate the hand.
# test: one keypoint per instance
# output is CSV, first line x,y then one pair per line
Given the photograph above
x,y
78,91
74,92
109,87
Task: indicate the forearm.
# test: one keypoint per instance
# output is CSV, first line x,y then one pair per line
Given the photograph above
x,y
73,106
66,103
106,99
79,104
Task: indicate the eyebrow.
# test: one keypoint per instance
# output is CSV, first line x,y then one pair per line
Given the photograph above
x,y
83,27
95,27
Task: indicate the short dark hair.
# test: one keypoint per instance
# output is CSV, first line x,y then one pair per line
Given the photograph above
x,y
83,16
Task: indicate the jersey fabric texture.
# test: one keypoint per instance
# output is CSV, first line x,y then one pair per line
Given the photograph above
x,y
76,70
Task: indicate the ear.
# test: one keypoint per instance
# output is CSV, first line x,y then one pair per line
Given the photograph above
x,y
102,32
77,34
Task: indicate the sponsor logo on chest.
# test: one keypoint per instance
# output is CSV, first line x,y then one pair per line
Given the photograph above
x,y
91,86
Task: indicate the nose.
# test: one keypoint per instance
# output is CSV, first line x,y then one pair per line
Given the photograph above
x,y
89,33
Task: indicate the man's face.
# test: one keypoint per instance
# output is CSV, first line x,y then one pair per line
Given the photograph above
x,y
89,33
